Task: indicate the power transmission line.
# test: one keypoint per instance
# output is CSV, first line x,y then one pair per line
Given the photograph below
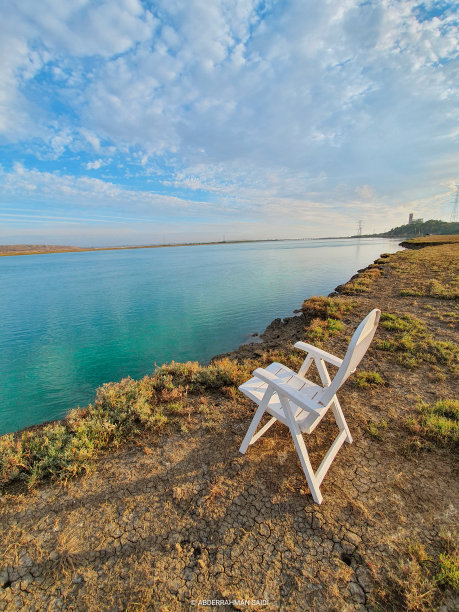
x,y
454,210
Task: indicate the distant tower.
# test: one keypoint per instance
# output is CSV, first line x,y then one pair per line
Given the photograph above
x,y
410,219
454,210
360,229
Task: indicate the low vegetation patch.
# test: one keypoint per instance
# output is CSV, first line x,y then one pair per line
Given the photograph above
x,y
323,316
411,343
362,282
436,423
383,259
433,288
119,413
365,380
318,307
437,237
431,272
377,429
421,581
318,330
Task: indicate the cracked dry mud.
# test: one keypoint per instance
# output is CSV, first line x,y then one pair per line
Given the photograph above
x,y
184,517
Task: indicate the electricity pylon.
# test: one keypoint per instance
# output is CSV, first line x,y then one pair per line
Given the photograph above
x,y
454,210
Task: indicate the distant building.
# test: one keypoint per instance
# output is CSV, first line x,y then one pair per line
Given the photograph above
x,y
411,220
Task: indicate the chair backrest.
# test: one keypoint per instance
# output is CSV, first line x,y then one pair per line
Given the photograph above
x,y
357,348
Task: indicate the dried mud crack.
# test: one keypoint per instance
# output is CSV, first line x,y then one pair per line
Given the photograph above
x,y
172,518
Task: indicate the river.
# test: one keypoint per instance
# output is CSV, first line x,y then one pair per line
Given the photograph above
x,y
72,321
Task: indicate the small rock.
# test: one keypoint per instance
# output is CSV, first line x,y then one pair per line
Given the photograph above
x,y
26,560
175,587
356,592
348,547
26,580
264,530
3,577
364,578
13,574
352,538
22,570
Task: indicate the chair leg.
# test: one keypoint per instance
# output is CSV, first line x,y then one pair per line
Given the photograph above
x,y
340,420
306,465
255,421
251,430
263,430
300,447
337,411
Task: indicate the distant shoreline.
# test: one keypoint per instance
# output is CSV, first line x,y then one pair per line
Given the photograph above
x,y
434,229
44,250
9,250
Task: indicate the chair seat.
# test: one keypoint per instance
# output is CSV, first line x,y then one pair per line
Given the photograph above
x,y
255,390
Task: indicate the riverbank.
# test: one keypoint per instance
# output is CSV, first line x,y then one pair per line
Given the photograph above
x,y
236,527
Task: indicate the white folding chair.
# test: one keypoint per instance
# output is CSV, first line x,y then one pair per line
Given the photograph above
x,y
301,404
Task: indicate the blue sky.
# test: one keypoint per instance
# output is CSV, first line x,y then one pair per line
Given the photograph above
x,y
135,122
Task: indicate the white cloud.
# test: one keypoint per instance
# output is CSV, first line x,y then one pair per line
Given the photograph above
x,y
96,164
292,205
83,28
91,193
291,105
31,39
214,76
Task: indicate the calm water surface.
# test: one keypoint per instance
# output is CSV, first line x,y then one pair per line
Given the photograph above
x,y
72,321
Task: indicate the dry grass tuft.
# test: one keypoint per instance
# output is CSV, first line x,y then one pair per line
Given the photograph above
x,y
411,344
436,423
421,579
318,330
362,282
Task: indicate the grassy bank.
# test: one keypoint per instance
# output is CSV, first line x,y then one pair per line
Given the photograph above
x,y
159,509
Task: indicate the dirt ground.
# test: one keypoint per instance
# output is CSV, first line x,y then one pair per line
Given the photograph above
x,y
176,521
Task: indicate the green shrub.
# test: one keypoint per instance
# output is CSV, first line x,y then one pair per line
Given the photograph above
x,y
449,571
119,413
440,420
376,430
222,373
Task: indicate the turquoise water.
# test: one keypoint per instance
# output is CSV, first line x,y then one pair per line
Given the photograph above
x,y
72,321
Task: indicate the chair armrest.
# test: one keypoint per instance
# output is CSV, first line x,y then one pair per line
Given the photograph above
x,y
316,352
282,387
